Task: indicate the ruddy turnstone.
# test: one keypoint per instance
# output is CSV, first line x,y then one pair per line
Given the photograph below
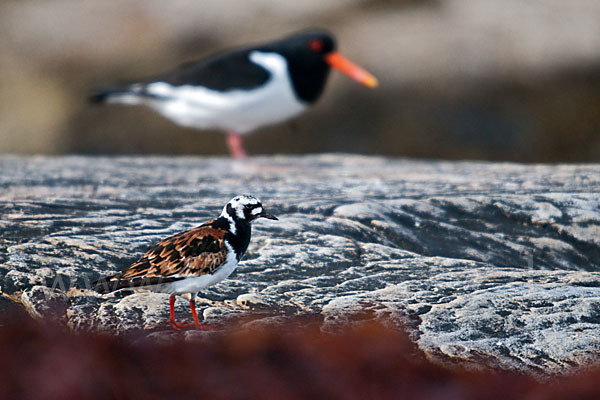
x,y
240,90
193,260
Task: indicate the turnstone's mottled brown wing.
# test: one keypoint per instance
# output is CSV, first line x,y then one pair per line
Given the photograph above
x,y
196,252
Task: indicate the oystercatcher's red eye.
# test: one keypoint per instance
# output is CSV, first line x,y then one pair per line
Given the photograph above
x,y
315,45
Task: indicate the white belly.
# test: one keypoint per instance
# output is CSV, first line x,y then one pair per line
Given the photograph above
x,y
239,111
195,284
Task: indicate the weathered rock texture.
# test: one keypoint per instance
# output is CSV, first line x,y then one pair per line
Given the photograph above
x,y
480,261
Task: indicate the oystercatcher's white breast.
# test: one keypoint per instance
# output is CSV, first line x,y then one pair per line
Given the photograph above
x,y
237,110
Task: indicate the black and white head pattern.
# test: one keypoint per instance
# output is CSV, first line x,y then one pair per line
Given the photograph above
x,y
244,208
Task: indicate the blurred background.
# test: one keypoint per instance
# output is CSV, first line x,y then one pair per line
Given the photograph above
x,y
459,79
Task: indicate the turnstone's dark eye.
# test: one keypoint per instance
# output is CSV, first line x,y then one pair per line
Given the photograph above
x,y
315,45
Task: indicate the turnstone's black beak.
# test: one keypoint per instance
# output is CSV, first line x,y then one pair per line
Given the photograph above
x,y
265,214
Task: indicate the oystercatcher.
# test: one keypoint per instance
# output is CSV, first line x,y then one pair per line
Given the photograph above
x,y
240,90
190,261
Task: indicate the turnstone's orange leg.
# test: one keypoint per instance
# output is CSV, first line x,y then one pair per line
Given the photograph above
x,y
197,323
193,308
179,325
172,312
235,145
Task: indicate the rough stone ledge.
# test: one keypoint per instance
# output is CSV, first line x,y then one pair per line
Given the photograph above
x,y
493,262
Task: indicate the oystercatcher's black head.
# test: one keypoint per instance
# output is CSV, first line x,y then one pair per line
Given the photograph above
x,y
307,47
310,54
245,208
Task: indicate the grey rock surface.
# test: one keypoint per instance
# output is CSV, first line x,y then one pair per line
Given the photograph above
x,y
474,79
481,262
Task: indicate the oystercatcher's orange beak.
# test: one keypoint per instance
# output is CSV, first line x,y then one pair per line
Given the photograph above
x,y
341,63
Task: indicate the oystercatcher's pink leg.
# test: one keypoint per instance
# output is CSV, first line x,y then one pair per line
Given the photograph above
x,y
235,145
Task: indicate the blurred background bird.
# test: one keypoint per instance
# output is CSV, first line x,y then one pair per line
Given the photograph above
x,y
241,90
463,79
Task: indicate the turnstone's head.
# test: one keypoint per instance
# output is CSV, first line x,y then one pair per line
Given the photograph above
x,y
246,208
